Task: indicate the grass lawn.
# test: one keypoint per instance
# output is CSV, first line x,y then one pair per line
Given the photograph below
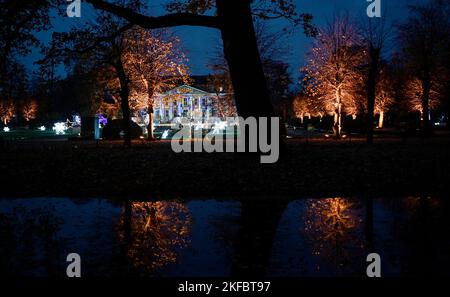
x,y
18,134
317,168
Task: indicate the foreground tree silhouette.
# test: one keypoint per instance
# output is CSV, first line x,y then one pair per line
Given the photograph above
x,y
100,44
19,22
234,19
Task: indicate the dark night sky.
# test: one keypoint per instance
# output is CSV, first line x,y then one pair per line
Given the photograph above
x,y
200,44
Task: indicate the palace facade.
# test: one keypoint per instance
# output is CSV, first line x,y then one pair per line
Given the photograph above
x,y
188,102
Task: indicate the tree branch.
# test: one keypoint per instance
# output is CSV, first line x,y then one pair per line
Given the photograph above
x,y
169,20
100,40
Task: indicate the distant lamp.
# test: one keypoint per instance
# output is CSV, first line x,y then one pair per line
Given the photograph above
x,y
6,129
41,128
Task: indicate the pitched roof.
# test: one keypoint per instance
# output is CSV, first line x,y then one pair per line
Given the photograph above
x,y
184,89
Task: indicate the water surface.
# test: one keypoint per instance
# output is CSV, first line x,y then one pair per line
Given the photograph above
x,y
298,238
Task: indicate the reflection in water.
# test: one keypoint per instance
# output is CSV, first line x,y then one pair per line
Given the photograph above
x,y
332,225
28,239
153,232
241,238
259,222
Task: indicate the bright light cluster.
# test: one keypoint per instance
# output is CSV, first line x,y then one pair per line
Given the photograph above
x,y
6,129
165,134
219,126
60,128
41,128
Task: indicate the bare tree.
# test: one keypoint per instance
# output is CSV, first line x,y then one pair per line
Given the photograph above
x,y
302,107
29,109
101,43
7,111
272,47
220,82
384,96
234,19
414,95
375,34
154,63
332,69
422,38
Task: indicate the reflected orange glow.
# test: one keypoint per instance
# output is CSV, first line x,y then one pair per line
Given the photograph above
x,y
329,224
158,231
414,204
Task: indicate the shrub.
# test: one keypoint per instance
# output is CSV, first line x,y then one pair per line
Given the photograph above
x,y
113,129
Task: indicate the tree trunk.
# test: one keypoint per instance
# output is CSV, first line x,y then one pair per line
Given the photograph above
x,y
150,134
234,20
241,52
337,127
381,120
150,110
371,90
259,222
426,124
124,103
242,55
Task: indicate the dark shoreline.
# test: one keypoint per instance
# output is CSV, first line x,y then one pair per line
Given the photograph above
x,y
317,168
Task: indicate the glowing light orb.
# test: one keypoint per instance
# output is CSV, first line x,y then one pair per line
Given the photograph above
x,y
41,128
60,128
6,129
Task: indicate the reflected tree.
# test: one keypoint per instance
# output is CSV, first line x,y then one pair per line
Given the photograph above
x,y
332,227
29,243
152,233
259,222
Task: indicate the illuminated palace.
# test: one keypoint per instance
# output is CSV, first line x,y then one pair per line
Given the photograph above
x,y
186,101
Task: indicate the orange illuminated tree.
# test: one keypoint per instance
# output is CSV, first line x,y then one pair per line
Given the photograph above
x,y
29,109
423,39
332,69
7,111
384,98
235,21
154,62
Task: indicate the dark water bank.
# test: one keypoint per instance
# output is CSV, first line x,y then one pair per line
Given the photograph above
x,y
213,238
